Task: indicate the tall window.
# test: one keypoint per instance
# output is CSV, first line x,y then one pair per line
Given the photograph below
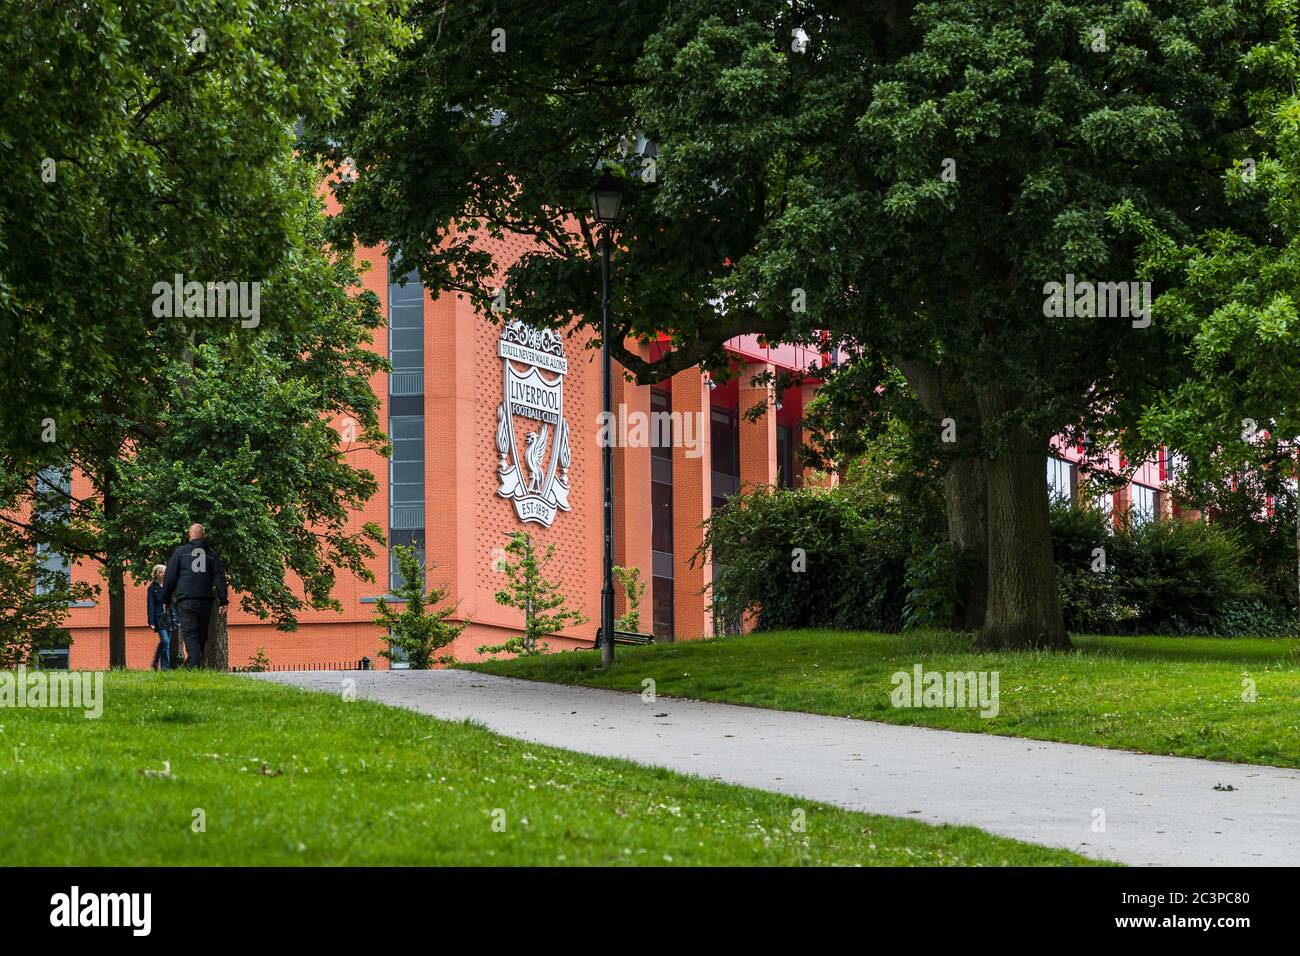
x,y
785,466
661,525
1144,503
724,436
53,504
1060,478
1175,465
724,450
405,415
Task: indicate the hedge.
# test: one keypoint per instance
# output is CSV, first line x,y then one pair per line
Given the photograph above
x,y
811,558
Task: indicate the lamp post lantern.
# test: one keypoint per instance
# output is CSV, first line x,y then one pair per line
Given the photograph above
x,y
607,204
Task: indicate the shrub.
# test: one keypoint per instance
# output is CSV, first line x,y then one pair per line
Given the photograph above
x,y
1258,504
33,601
1162,577
629,579
545,607
805,558
421,629
1269,546
1182,574
846,558
1087,579
1254,617
934,575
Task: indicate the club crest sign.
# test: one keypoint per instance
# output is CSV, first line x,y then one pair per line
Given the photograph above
x,y
532,418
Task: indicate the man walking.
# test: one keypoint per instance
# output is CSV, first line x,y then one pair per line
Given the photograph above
x,y
194,575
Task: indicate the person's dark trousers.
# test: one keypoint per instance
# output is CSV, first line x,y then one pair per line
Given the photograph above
x,y
162,657
192,616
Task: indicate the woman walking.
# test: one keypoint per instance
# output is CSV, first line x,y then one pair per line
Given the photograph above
x,y
160,620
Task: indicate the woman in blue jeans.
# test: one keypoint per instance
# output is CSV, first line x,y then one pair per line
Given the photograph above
x,y
160,621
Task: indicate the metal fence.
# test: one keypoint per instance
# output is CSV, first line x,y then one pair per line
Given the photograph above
x,y
365,664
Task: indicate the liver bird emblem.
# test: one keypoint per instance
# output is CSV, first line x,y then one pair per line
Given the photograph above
x,y
534,449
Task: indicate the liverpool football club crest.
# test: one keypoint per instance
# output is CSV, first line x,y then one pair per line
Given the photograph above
x,y
531,419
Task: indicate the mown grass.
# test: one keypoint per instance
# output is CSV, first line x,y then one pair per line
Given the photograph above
x,y
283,776
1161,695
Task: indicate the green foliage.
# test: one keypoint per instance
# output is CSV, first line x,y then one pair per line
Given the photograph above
x,y
858,401
634,588
933,581
1179,574
867,544
1087,580
1249,488
259,662
33,600
255,434
865,573
821,171
896,475
1229,301
154,139
420,629
806,558
1267,532
1253,617
1156,577
1229,296
249,434
135,150
540,599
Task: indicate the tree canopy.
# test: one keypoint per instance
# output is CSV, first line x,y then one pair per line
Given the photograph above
x,y
141,141
151,144
925,180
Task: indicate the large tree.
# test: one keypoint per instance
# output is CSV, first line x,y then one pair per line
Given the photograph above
x,y
910,176
145,141
141,140
252,437
1231,299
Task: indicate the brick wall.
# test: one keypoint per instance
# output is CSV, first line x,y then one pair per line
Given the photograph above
x,y
692,503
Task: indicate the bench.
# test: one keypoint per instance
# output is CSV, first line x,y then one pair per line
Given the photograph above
x,y
625,637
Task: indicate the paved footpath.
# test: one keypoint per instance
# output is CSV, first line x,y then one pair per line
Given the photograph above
x,y
1158,810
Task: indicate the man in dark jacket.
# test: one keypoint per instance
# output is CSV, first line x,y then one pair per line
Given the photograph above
x,y
194,575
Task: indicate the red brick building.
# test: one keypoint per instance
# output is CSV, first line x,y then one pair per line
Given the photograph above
x,y
465,474
444,488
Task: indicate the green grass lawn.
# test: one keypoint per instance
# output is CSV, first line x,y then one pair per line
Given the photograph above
x,y
1157,695
284,776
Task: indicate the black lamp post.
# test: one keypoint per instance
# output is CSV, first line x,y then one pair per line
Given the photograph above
x,y
607,203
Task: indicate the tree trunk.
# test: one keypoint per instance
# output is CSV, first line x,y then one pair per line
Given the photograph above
x,y
964,485
1024,610
965,500
116,615
216,653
